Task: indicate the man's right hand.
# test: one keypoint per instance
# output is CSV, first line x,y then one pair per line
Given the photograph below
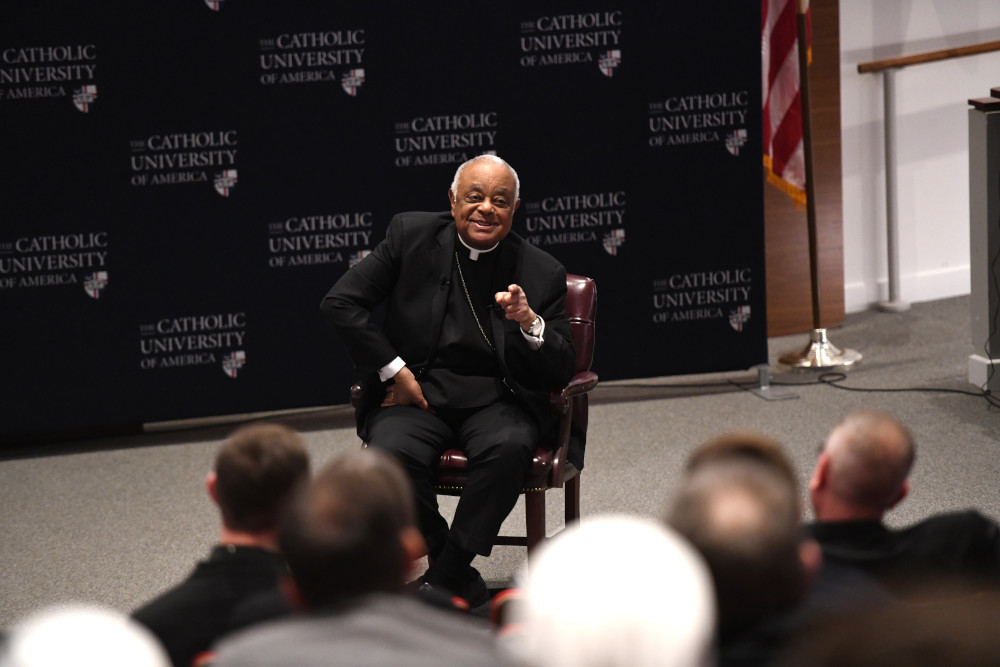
x,y
405,390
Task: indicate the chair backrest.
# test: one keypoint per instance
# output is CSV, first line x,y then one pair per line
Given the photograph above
x,y
581,308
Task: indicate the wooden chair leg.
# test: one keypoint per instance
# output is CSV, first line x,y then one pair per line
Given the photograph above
x,y
572,491
534,510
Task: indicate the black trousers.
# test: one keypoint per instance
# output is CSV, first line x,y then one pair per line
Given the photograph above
x,y
499,441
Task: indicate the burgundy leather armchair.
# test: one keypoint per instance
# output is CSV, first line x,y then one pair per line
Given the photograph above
x,y
550,467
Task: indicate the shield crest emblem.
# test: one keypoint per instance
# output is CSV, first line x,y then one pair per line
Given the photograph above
x,y
233,362
225,181
735,139
614,240
83,97
352,80
93,283
739,317
608,61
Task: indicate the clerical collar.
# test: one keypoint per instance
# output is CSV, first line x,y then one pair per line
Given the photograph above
x,y
474,253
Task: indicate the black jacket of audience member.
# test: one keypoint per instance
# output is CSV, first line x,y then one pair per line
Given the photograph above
x,y
955,544
188,618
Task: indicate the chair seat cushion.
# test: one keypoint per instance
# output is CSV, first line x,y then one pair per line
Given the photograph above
x,y
452,471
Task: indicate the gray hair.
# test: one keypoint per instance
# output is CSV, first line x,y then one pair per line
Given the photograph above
x,y
489,157
579,607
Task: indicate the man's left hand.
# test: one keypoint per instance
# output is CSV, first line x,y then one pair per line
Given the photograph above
x,y
515,306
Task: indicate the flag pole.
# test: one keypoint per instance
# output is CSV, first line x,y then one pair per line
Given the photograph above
x,y
820,352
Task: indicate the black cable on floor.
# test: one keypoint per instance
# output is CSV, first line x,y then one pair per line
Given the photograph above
x,y
831,379
661,385
834,377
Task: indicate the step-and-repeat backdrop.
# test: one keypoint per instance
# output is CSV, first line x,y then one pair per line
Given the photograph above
x,y
184,180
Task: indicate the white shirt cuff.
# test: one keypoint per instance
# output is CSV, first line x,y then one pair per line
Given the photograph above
x,y
390,369
535,338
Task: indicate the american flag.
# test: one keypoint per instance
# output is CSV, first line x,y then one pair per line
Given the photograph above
x,y
784,156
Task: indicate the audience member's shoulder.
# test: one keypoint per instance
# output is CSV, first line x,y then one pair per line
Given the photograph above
x,y
258,608
959,630
261,644
965,544
169,608
420,635
839,589
964,522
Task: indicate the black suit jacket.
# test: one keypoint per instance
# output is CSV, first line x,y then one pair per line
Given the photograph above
x,y
188,618
965,544
410,272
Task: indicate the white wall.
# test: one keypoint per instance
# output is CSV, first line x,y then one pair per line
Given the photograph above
x,y
932,172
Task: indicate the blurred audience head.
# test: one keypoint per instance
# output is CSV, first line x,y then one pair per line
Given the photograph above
x,y
862,468
613,591
744,445
742,514
352,531
256,473
81,635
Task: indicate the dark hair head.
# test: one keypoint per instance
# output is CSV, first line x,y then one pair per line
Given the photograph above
x,y
742,516
343,535
745,445
257,470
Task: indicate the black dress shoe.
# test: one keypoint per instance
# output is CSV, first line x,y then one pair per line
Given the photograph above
x,y
439,597
474,589
470,590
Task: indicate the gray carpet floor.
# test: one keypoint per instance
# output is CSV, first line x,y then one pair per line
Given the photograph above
x,y
115,521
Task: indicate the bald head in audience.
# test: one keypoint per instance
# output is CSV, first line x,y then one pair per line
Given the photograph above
x,y
862,469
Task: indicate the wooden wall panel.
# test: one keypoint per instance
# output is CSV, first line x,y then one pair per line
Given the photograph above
x,y
789,303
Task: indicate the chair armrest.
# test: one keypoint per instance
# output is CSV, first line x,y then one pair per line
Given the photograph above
x,y
581,383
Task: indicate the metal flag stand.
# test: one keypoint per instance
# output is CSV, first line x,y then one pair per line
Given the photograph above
x,y
820,352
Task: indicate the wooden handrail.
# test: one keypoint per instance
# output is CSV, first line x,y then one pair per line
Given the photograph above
x,y
928,57
888,69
